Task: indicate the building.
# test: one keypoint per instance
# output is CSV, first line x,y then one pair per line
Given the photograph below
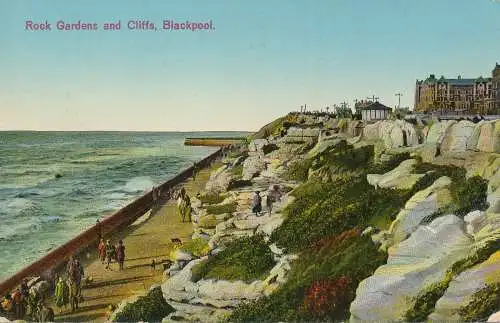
x,y
374,111
459,96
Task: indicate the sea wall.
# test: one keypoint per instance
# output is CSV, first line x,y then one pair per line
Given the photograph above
x,y
119,219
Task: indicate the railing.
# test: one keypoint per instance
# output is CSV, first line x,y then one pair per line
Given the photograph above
x,y
119,219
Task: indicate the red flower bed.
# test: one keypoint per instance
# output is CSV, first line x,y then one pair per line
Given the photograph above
x,y
326,297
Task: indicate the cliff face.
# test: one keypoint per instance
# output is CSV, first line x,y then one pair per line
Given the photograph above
x,y
378,222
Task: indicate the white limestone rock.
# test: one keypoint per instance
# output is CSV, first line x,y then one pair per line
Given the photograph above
x,y
438,131
457,137
195,313
475,221
421,205
463,287
412,265
398,178
489,137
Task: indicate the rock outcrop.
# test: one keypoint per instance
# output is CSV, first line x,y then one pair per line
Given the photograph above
x,y
412,265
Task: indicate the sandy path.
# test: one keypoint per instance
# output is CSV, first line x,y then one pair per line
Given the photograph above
x,y
143,243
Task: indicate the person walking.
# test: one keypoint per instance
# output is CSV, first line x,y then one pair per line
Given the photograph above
x,y
257,203
195,170
102,251
61,294
187,208
120,253
274,195
17,300
110,253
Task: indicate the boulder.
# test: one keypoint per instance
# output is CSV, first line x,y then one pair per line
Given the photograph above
x,y
463,287
219,181
494,201
253,165
256,145
391,134
421,205
303,132
475,221
226,290
410,134
272,224
195,313
438,131
323,145
474,138
412,266
489,137
495,317
180,255
180,288
457,137
398,178
251,222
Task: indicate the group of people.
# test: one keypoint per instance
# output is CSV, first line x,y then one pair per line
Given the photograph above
x,y
184,205
108,253
30,304
273,195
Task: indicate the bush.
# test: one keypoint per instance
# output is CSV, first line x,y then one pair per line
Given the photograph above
x,y
237,171
222,208
298,170
197,247
212,198
395,160
327,298
346,255
246,259
149,308
470,195
269,148
483,304
237,183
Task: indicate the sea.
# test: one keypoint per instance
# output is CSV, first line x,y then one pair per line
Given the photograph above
x,y
53,185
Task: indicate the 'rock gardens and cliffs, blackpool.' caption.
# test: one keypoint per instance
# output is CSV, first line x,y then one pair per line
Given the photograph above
x,y
146,25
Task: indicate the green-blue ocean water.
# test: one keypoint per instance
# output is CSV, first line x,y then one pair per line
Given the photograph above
x,y
100,172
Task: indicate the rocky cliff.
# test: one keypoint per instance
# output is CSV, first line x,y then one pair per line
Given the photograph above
x,y
386,221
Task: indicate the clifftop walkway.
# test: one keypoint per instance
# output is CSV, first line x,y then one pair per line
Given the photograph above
x,y
143,243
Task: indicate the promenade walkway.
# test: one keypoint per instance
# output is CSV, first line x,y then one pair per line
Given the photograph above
x,y
143,243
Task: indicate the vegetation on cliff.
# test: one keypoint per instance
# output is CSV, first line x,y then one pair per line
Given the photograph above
x,y
331,268
247,259
483,304
149,308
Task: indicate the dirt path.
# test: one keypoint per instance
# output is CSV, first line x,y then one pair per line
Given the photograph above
x,y
143,243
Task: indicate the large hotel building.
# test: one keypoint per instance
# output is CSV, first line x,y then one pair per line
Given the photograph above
x,y
459,96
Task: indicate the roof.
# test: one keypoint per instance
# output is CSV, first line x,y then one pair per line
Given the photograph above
x,y
375,106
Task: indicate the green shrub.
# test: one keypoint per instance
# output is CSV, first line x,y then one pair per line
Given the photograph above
x,y
149,308
222,208
212,198
237,183
298,170
349,255
237,171
393,162
247,259
197,247
484,303
269,148
470,196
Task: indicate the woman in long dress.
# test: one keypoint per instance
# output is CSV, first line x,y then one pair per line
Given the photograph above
x,y
61,294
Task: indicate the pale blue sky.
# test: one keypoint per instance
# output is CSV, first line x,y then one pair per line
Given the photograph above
x,y
263,59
